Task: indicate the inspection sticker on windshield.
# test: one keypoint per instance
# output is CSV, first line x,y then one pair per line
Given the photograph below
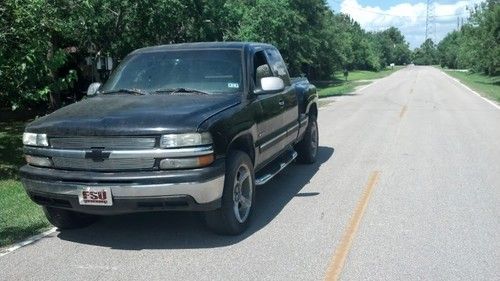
x,y
95,196
233,85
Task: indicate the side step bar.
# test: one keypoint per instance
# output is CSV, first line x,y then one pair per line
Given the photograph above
x,y
275,167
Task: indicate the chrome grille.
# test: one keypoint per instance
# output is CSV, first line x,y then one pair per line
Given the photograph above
x,y
104,142
106,165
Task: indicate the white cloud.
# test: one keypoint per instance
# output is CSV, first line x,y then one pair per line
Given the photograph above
x,y
409,18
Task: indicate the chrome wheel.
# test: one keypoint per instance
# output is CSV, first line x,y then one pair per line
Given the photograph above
x,y
235,212
242,193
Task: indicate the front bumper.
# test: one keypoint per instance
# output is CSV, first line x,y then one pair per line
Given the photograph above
x,y
191,190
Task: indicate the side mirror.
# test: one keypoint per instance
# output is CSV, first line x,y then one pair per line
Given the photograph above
x,y
272,84
92,90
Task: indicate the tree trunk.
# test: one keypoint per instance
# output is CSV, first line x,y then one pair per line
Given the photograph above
x,y
54,94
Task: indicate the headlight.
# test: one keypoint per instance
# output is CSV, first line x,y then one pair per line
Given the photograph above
x,y
182,140
35,139
185,163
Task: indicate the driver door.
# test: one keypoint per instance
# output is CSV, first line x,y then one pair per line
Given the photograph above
x,y
269,109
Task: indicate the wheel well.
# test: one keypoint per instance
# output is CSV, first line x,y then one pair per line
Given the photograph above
x,y
313,111
244,143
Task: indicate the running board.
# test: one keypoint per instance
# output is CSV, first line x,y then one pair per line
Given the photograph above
x,y
275,167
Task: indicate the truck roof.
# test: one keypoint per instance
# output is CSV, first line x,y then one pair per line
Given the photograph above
x,y
204,45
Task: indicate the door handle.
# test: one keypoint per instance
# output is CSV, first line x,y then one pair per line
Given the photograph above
x,y
281,103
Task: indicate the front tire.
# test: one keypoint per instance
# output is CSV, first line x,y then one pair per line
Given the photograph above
x,y
307,148
65,219
238,197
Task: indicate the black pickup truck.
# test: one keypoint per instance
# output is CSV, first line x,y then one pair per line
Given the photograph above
x,y
176,127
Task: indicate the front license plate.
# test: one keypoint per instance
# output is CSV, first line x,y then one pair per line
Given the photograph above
x,y
95,196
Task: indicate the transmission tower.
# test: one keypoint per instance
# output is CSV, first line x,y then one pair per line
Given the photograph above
x,y
430,21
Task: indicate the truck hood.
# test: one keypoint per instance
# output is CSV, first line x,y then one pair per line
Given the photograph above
x,y
120,114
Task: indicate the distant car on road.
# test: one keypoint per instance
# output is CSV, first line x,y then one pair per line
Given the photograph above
x,y
176,127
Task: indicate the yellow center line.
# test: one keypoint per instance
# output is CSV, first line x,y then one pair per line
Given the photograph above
x,y
335,268
403,111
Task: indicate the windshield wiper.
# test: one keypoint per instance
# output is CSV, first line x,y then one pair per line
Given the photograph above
x,y
181,90
126,91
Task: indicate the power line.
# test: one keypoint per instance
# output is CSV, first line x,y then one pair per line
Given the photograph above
x,y
399,16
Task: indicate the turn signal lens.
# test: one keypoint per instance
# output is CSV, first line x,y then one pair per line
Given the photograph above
x,y
185,163
38,161
205,160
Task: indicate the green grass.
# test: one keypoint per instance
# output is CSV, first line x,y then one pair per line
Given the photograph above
x,y
19,216
11,152
338,86
488,86
339,89
369,75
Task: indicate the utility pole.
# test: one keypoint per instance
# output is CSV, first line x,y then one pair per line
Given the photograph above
x,y
430,23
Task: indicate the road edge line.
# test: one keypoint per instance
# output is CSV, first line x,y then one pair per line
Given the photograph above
x,y
377,80
26,242
338,260
370,84
470,90
374,81
355,91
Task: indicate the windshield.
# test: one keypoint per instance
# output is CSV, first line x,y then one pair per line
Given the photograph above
x,y
211,71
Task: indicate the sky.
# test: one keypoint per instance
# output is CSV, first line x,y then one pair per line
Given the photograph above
x,y
407,15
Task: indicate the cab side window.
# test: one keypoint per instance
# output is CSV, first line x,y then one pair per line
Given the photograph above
x,y
261,68
278,67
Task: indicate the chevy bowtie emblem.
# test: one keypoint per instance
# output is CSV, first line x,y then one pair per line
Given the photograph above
x,y
97,155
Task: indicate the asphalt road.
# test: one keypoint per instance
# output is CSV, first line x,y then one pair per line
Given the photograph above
x,y
433,213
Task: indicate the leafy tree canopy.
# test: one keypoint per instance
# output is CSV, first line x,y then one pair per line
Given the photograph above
x,y
45,44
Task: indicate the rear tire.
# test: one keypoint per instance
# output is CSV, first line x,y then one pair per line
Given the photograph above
x,y
238,197
65,219
307,148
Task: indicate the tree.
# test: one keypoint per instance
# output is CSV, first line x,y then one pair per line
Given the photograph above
x,y
402,54
31,56
448,50
480,41
426,54
477,45
392,47
267,18
45,44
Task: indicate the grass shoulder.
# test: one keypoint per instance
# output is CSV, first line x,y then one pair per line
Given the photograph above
x,y
338,86
488,86
19,216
